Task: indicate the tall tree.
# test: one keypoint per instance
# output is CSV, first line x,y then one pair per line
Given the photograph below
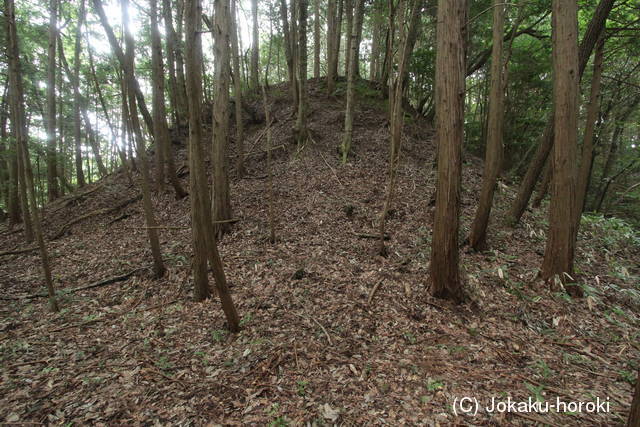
x,y
596,25
203,238
164,154
18,122
13,198
493,156
221,197
177,95
52,175
560,249
237,90
351,77
141,152
450,95
301,131
316,39
634,412
255,48
334,24
77,124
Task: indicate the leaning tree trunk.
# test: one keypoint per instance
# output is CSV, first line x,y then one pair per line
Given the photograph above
x,y
152,232
351,90
589,130
545,144
450,90
164,154
20,132
52,175
237,90
221,197
560,249
493,156
301,131
203,237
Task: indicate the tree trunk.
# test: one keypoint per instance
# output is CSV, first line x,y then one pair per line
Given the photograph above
x,y
164,154
528,183
13,199
316,39
221,198
77,129
20,132
301,131
128,70
334,26
375,40
494,150
544,186
351,90
450,90
237,90
634,412
348,34
203,237
53,191
359,22
255,46
589,129
178,113
561,238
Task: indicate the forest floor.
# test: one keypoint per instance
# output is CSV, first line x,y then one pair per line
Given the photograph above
x,y
317,345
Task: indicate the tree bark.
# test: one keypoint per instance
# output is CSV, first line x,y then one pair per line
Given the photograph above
x,y
255,46
13,199
561,238
301,131
316,39
220,195
450,95
545,144
53,191
77,129
494,150
20,131
634,412
348,5
589,130
141,152
237,90
351,90
203,237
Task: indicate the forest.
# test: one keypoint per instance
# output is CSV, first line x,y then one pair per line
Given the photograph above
x,y
320,212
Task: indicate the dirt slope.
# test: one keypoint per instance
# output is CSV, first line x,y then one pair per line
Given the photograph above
x,y
312,348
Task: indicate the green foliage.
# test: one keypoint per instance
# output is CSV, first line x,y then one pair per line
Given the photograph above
x,y
615,233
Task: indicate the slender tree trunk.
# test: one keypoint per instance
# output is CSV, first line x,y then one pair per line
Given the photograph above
x,y
493,156
316,39
164,155
528,183
288,49
237,90
128,70
178,117
301,131
375,40
544,186
255,46
20,132
396,115
331,30
22,186
359,22
220,196
272,218
351,90
560,249
450,95
53,191
204,243
349,6
13,198
77,130
589,130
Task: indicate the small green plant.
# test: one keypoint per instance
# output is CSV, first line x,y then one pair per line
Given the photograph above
x,y
246,319
302,387
543,368
434,385
536,391
409,337
627,376
164,364
218,335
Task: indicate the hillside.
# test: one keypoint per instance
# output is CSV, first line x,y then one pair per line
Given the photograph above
x,y
318,344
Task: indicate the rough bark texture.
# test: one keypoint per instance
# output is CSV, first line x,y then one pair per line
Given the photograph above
x,y
348,6
77,124
13,200
375,40
493,156
560,249
255,48
221,197
316,39
204,242
331,30
141,152
634,412
20,132
450,90
351,90
589,130
237,91
546,141
301,131
164,154
52,176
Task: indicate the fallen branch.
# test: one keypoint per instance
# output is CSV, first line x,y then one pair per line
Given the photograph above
x,y
319,324
277,147
371,235
373,291
102,211
73,198
18,251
